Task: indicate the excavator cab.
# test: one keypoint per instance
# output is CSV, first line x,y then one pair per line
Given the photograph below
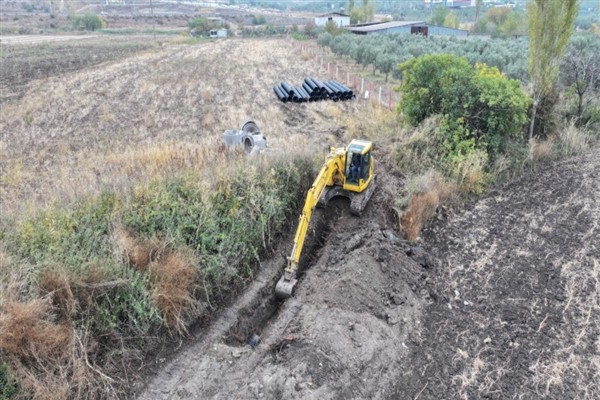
x,y
358,167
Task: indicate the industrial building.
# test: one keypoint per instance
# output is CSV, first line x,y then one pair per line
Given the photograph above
x,y
339,19
406,27
449,3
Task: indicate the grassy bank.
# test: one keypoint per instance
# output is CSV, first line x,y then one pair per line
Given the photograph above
x,y
89,290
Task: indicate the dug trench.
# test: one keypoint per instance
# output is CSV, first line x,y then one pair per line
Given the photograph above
x,y
253,317
345,333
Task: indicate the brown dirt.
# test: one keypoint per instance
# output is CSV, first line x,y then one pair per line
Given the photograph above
x,y
346,333
518,288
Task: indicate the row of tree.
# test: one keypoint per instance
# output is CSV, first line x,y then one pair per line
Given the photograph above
x,y
558,60
384,52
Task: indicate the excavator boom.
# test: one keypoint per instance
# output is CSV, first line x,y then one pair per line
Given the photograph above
x,y
331,178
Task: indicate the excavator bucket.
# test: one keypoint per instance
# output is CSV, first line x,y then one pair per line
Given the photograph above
x,y
285,287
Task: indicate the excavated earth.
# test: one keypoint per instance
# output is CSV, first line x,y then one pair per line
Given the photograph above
x,y
346,332
500,301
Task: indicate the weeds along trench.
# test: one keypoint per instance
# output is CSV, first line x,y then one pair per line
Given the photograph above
x,y
123,275
264,306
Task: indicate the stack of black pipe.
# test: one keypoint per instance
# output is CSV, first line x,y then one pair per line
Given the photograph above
x,y
313,89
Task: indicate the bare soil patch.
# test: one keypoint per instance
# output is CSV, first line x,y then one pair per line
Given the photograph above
x,y
518,292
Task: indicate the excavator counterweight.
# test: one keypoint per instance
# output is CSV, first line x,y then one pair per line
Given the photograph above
x,y
347,172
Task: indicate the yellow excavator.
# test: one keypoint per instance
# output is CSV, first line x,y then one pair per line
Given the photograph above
x,y
347,172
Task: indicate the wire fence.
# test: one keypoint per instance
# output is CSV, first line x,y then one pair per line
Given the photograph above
x,y
365,89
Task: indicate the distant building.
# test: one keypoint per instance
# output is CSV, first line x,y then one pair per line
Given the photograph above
x,y
405,27
339,19
450,3
218,33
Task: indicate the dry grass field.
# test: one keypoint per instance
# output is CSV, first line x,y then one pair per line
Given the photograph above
x,y
80,126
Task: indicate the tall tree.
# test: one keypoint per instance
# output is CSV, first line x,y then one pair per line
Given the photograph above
x,y
439,15
369,8
551,23
478,4
350,6
451,20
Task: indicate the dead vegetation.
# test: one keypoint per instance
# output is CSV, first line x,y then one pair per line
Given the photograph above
x,y
173,278
154,117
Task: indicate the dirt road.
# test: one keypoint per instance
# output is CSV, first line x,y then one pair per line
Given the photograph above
x,y
35,39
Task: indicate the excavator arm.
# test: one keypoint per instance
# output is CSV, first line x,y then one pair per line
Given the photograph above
x,y
333,167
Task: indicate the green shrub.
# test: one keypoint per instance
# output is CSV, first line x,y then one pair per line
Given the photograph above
x,y
202,25
8,386
258,19
71,238
591,118
113,266
86,22
481,108
299,36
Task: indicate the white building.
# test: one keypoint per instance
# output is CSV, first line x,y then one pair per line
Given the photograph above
x,y
339,18
218,33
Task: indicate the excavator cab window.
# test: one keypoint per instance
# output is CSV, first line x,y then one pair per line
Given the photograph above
x,y
366,166
353,167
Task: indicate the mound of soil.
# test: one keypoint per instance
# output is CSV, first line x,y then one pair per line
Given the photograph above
x,y
346,333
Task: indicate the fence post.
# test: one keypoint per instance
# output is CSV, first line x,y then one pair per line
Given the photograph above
x,y
347,78
379,95
336,72
389,98
362,85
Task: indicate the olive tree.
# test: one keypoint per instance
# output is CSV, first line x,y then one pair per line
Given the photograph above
x,y
580,70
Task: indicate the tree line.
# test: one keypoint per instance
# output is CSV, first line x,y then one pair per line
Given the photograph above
x,y
384,52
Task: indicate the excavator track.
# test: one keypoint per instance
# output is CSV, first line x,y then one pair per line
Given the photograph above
x,y
359,201
329,183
